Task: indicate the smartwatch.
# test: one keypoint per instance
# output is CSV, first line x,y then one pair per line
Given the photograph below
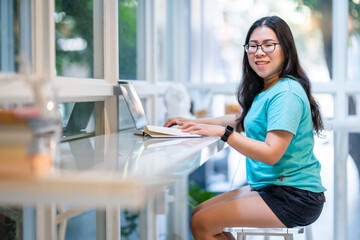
x,y
228,131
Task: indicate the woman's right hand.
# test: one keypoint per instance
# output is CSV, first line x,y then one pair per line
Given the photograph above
x,y
176,121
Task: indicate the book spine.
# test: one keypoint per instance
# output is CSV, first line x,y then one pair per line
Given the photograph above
x,y
34,165
13,152
24,149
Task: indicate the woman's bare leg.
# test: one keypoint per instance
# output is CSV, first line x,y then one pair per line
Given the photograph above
x,y
228,235
222,197
224,236
221,237
245,209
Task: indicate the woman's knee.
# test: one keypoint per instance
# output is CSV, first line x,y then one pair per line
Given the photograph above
x,y
198,223
196,209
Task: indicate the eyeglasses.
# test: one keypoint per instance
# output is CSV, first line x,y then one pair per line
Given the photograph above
x,y
265,47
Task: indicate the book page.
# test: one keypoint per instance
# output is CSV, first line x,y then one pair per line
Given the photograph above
x,y
166,132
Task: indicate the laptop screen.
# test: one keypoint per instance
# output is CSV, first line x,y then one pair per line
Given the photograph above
x,y
134,104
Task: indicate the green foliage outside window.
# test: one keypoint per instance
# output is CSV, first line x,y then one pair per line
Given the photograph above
x,y
127,39
74,20
198,195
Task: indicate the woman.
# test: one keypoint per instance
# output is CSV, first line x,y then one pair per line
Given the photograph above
x,y
278,116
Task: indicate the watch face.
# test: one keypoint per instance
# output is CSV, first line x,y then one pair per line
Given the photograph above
x,y
228,131
229,128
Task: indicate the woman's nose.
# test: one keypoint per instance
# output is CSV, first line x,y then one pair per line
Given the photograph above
x,y
259,51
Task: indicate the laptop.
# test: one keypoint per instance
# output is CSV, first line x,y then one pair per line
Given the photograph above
x,y
141,121
135,106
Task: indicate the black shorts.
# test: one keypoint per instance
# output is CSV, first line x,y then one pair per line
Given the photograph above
x,y
293,206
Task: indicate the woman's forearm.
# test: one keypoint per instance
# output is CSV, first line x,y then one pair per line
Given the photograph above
x,y
223,120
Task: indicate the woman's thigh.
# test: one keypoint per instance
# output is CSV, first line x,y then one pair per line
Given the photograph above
x,y
241,210
243,191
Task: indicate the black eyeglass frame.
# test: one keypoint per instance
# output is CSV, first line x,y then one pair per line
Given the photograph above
x,y
246,47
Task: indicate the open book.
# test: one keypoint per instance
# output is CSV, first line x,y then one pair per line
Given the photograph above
x,y
156,131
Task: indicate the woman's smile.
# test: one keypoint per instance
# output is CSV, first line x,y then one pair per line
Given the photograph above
x,y
261,63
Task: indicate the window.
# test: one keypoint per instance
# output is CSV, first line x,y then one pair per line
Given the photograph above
x,y
131,40
329,52
354,105
353,114
78,38
78,119
354,41
326,101
161,35
225,24
15,31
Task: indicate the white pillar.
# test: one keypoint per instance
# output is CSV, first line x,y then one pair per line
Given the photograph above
x,y
340,48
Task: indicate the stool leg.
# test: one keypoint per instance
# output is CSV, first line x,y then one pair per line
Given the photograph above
x,y
308,233
266,238
241,236
289,237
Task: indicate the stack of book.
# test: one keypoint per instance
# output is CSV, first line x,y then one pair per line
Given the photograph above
x,y
24,142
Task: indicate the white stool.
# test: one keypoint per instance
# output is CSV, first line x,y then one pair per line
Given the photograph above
x,y
287,233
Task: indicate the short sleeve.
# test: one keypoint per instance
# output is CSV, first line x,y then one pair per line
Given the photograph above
x,y
284,112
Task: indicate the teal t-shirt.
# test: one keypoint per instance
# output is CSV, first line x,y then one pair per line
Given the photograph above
x,y
284,106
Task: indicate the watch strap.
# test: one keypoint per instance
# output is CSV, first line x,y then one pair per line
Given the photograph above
x,y
228,131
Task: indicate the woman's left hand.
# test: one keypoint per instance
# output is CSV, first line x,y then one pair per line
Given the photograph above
x,y
203,129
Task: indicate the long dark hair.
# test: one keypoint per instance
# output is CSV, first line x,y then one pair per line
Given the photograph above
x,y
252,84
